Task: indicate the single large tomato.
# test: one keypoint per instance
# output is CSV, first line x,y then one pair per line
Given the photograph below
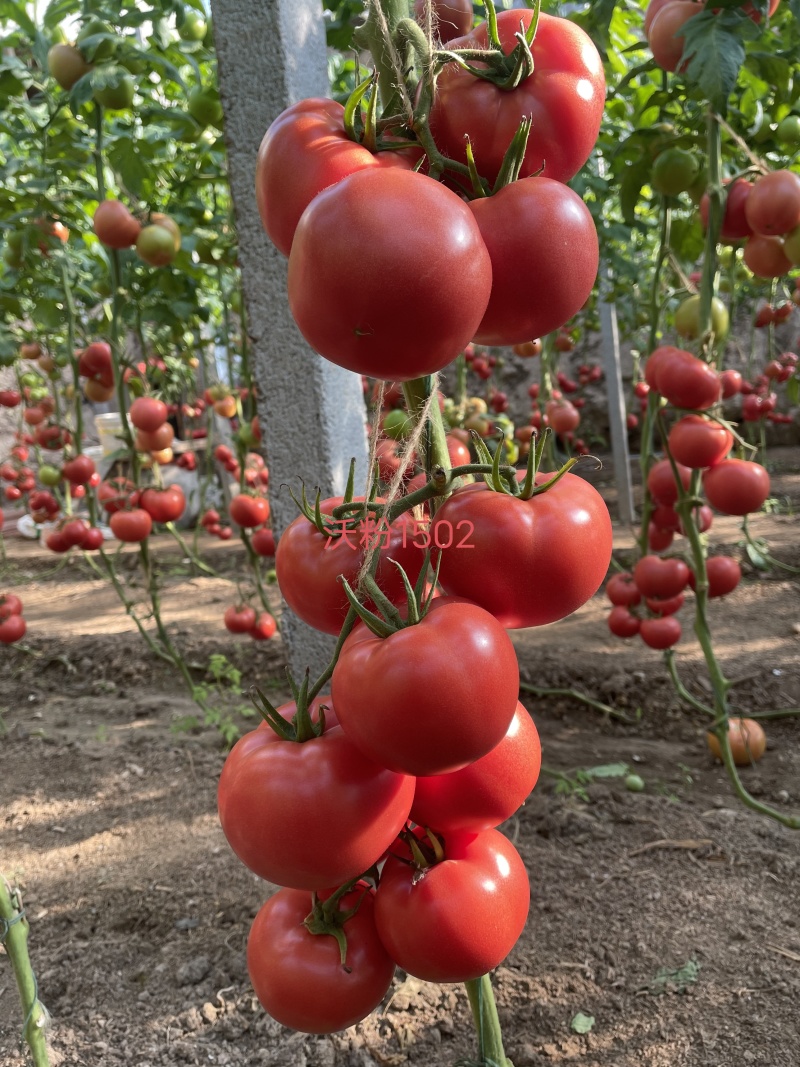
x,y
388,274
432,697
488,791
308,564
773,206
543,246
688,383
698,442
298,976
660,578
95,363
564,96
734,222
661,481
164,505
665,37
528,562
305,150
134,525
736,486
459,918
309,814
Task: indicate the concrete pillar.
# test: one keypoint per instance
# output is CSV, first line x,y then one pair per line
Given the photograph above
x,y
270,55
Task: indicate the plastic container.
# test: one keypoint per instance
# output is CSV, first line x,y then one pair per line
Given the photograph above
x,y
109,431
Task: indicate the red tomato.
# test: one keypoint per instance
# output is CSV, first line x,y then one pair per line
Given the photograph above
x,y
723,573
114,225
653,9
457,450
155,440
114,495
459,918
670,606
10,604
562,416
380,224
308,141
564,95
661,356
661,481
249,511
435,717
92,539
238,620
698,442
765,256
273,798
731,382
534,290
688,383
10,398
164,505
263,542
703,517
622,623
298,976
308,565
451,18
622,590
666,40
734,222
736,486
148,413
265,626
660,578
73,532
95,362
528,562
134,525
78,470
12,629
665,518
56,541
660,633
486,792
773,206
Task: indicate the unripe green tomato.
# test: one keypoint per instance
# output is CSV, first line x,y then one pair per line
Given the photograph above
x,y
13,253
105,49
788,131
512,451
156,245
687,318
39,393
133,64
136,386
7,359
193,28
48,475
397,424
727,256
204,106
634,784
674,171
116,97
246,437
29,380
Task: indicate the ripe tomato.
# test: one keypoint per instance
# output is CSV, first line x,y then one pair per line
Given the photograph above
x,y
308,142
665,518
249,511
114,225
622,623
435,717
156,441
534,290
747,740
666,40
663,607
773,206
660,633
12,629
265,626
10,398
10,604
78,470
736,486
92,539
723,573
528,562
486,792
134,525
660,356
459,918
148,413
622,590
164,505
298,976
263,542
114,494
698,442
765,256
660,578
731,383
661,481
308,565
562,416
564,95
734,222
380,224
653,9
273,795
451,18
95,362
688,383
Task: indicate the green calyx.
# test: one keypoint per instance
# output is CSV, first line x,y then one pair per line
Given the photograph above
x,y
390,619
327,918
503,479
300,727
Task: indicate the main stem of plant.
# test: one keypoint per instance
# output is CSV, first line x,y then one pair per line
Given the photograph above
x,y
15,939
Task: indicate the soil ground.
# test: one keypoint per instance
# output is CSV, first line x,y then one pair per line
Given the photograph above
x,y
669,916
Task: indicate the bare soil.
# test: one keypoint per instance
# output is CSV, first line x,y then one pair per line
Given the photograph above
x,y
671,916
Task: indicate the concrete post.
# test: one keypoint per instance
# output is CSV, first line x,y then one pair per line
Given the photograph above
x,y
616,409
270,55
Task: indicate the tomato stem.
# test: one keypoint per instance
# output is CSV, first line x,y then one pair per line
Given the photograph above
x,y
14,938
487,1022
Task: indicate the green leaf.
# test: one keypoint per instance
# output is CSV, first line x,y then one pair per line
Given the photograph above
x,y
81,92
793,389
755,557
608,770
677,981
715,52
126,160
57,11
634,177
581,1024
15,11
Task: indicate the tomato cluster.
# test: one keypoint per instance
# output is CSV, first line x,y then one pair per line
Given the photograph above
x,y
12,624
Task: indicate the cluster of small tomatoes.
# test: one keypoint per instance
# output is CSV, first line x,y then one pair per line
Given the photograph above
x,y
12,624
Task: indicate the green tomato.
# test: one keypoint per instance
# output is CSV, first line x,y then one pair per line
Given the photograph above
x,y
788,131
117,97
193,28
397,424
674,171
687,318
634,784
205,107
30,379
105,49
48,475
13,253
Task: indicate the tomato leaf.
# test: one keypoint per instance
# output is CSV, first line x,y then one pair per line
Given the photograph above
x,y
715,51
608,770
756,558
634,177
81,91
581,1024
126,160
